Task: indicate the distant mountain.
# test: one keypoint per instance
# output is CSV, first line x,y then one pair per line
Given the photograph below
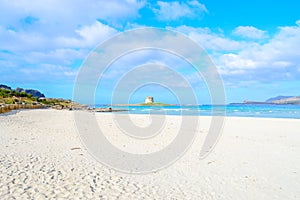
x,y
34,93
279,100
290,100
271,100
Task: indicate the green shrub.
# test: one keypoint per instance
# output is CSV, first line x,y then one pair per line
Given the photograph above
x,y
8,101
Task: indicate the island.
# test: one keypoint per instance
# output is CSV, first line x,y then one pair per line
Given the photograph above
x,y
155,104
149,101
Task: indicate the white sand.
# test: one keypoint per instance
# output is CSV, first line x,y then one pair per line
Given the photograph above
x,y
41,156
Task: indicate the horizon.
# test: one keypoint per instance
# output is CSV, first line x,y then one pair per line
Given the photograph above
x,y
254,48
184,104
245,102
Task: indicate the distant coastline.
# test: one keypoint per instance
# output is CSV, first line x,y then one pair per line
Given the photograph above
x,y
279,100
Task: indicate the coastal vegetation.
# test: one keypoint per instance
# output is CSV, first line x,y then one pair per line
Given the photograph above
x,y
12,96
19,99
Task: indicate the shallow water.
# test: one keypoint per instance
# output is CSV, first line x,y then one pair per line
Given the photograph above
x,y
238,110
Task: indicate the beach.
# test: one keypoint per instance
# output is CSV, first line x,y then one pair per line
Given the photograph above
x,y
42,156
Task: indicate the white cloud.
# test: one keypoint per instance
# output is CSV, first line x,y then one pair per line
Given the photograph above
x,y
249,32
58,56
30,56
14,40
169,11
42,73
233,61
278,57
210,40
89,36
47,69
56,15
241,60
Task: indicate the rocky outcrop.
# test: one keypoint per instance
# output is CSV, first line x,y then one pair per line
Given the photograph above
x,y
34,93
5,87
103,109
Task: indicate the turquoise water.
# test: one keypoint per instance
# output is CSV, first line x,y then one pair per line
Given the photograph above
x,y
240,110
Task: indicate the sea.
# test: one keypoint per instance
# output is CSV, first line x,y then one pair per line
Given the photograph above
x,y
236,110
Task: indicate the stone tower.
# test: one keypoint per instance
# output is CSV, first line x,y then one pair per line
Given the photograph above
x,y
149,99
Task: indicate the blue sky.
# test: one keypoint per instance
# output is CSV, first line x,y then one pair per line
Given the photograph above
x,y
254,44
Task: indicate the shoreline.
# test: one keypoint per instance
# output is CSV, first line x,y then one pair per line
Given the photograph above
x,y
105,111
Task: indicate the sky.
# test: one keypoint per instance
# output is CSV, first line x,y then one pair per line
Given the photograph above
x,y
255,45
